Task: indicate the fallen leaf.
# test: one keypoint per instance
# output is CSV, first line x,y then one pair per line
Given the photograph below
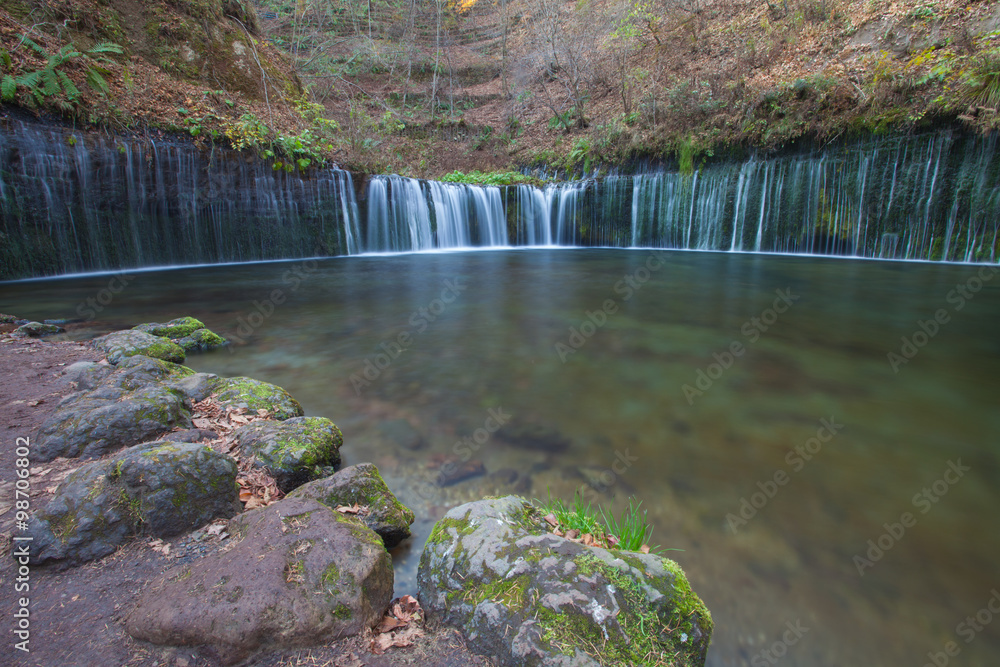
x,y
348,509
202,423
572,534
389,623
245,495
36,403
587,539
215,529
38,472
254,503
558,533
644,548
551,518
613,541
239,419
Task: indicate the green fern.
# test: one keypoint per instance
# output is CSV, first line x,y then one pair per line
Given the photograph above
x,y
51,80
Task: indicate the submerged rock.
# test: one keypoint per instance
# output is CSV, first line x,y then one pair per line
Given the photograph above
x,y
528,597
293,451
533,435
161,488
244,392
129,406
37,330
362,484
299,574
119,345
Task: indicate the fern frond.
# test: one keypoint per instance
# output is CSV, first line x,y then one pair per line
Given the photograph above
x,y
97,82
8,88
72,92
50,82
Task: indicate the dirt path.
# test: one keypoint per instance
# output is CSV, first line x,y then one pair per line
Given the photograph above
x,y
76,614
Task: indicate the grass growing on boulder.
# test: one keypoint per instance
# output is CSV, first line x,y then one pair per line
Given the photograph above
x,y
630,531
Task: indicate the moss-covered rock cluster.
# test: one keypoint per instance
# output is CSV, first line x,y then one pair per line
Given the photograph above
x,y
528,597
300,574
294,451
160,488
362,485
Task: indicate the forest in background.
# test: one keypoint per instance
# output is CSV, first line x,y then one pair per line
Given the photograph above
x,y
425,88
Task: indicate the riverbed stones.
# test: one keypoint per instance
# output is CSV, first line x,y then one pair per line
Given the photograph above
x,y
127,407
537,436
244,392
362,484
37,330
161,488
297,574
528,597
119,345
294,451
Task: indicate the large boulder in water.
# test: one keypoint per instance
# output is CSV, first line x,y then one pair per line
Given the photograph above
x,y
127,407
298,574
293,451
362,484
527,597
161,488
119,345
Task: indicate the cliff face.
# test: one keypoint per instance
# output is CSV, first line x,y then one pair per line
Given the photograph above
x,y
423,88
190,65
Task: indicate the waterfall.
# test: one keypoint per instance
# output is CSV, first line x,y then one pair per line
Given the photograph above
x,y
405,214
73,202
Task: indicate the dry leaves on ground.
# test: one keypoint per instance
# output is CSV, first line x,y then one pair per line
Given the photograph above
x,y
400,626
257,486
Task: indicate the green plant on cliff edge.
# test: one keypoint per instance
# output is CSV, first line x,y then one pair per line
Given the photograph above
x,y
51,80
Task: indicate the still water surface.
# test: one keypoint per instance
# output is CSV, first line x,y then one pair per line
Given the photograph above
x,y
488,337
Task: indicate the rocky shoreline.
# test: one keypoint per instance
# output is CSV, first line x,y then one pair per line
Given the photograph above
x,y
270,547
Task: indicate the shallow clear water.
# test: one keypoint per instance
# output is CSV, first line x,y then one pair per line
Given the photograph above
x,y
690,462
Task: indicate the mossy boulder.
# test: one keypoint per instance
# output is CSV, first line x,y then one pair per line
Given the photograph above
x,y
126,407
37,330
201,340
298,574
87,374
158,488
244,392
362,484
293,451
525,596
119,345
176,328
